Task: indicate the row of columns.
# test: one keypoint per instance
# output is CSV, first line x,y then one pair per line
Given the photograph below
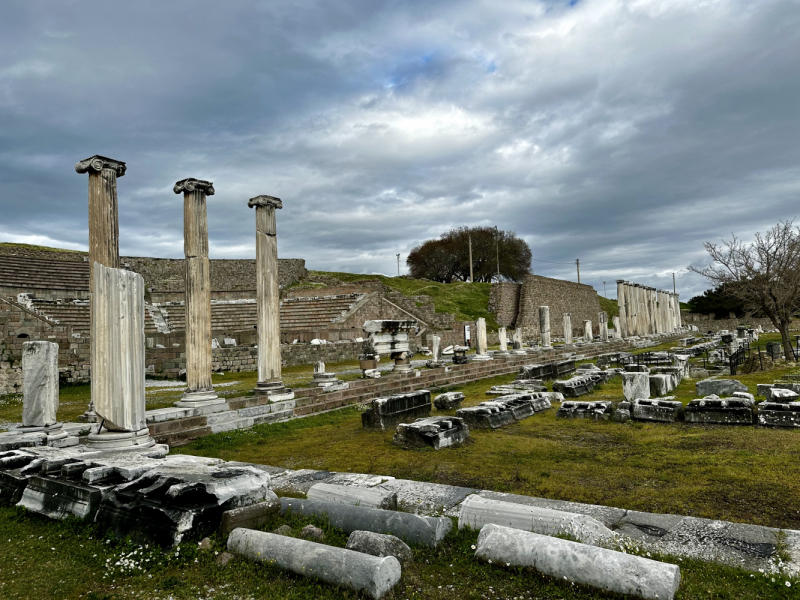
x,y
117,308
644,310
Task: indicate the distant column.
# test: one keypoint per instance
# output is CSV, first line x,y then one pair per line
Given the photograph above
x,y
544,325
617,332
103,235
621,328
503,339
587,331
602,325
269,323
568,329
481,341
197,305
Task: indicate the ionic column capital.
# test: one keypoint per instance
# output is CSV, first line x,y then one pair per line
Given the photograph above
x,y
96,163
194,185
265,201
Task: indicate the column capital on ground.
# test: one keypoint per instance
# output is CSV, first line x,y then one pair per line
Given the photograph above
x,y
265,201
194,185
96,163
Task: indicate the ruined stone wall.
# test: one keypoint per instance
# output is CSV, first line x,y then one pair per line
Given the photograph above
x,y
578,299
504,303
708,323
18,326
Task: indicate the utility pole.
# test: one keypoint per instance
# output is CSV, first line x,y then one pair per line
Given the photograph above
x,y
471,277
673,283
398,264
578,266
497,249
605,294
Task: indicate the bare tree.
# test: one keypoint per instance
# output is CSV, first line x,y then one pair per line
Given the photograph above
x,y
764,274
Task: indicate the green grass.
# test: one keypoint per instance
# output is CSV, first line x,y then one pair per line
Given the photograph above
x,y
467,301
12,246
610,307
71,560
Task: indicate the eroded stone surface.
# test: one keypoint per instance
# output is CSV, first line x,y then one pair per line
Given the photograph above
x,y
596,411
388,412
378,544
719,387
503,410
432,432
448,400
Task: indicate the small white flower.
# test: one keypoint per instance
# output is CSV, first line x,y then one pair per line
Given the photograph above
x,y
788,584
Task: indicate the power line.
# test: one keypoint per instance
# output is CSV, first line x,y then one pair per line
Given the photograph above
x,y
553,263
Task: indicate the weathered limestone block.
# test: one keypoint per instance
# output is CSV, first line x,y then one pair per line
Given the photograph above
x,y
775,394
39,384
713,410
578,385
477,512
412,529
662,410
779,414
374,497
433,432
660,384
166,505
338,566
448,400
719,387
518,386
549,370
503,410
252,516
622,414
635,385
378,544
388,412
58,499
603,569
595,411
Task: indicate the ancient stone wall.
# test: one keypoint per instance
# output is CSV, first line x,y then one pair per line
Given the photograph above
x,y
504,303
708,323
18,326
580,300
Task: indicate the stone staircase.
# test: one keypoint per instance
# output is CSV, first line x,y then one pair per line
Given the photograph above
x,y
423,309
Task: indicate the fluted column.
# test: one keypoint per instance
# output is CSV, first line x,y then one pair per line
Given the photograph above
x,y
269,332
103,237
621,330
197,305
568,329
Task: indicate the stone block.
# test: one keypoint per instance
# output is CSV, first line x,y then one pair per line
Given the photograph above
x,y
660,384
635,385
39,384
378,544
431,432
779,414
763,389
660,409
448,400
503,410
576,386
412,529
388,412
373,497
477,512
353,570
600,568
776,394
595,411
719,387
731,411
622,413
250,517
58,499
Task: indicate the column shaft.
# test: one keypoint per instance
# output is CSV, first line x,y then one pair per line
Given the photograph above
x,y
269,340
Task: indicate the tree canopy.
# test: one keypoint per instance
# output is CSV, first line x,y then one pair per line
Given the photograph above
x,y
447,259
720,301
764,274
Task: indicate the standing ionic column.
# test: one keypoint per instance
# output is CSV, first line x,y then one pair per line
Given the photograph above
x,y
621,329
103,237
568,329
544,325
269,323
199,390
602,324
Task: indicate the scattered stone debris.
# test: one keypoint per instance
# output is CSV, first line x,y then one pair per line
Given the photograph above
x,y
283,530
664,410
431,432
779,414
310,532
714,410
388,412
378,544
503,410
448,400
596,411
719,387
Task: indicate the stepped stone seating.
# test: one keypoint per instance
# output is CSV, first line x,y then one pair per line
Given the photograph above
x,y
66,313
22,274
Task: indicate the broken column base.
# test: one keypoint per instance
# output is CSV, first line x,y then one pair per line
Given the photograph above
x,y
481,358
113,441
200,398
275,390
32,436
402,365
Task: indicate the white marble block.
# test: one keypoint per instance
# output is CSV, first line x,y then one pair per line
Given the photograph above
x,y
39,384
118,368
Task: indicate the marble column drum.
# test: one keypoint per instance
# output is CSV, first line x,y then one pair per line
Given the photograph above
x,y
197,306
118,374
269,333
103,232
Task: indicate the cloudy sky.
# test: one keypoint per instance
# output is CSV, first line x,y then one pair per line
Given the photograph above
x,y
623,133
